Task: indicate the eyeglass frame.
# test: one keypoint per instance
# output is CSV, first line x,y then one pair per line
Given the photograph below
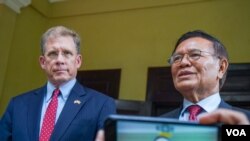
x,y
171,59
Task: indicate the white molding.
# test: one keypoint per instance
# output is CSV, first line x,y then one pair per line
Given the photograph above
x,y
16,5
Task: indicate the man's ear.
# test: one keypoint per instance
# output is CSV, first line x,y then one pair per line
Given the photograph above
x,y
42,61
223,67
79,61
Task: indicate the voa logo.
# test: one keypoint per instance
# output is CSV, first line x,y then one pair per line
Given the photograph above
x,y
236,132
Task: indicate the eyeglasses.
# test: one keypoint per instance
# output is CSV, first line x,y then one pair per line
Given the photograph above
x,y
193,55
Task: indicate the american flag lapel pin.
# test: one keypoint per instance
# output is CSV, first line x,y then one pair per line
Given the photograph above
x,y
77,102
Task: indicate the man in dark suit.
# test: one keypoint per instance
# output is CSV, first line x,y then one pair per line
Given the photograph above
x,y
199,64
77,112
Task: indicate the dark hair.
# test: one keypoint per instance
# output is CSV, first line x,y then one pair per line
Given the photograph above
x,y
219,48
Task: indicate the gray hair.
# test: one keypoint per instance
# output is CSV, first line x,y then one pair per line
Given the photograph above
x,y
60,31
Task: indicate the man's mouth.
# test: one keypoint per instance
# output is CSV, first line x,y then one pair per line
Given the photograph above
x,y
60,70
185,73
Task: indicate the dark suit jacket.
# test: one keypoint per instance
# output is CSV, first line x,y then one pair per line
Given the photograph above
x,y
77,122
176,112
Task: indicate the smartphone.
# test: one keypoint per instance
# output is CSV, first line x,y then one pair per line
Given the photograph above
x,y
141,128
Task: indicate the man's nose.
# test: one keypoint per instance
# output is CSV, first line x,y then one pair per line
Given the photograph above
x,y
185,59
60,58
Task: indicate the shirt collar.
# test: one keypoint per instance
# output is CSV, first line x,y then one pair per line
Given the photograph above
x,y
64,89
208,104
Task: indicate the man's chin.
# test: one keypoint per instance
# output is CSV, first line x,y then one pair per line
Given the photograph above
x,y
61,80
184,86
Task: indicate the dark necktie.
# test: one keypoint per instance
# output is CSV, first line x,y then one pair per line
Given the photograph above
x,y
194,110
49,118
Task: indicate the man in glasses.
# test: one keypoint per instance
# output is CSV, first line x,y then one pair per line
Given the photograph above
x,y
199,64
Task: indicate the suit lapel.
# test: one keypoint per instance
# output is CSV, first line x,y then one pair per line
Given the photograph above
x,y
223,104
173,114
34,113
176,114
73,104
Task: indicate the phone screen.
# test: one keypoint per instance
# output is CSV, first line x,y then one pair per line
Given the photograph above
x,y
144,130
148,131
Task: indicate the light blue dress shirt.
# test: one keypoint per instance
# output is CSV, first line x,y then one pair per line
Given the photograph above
x,y
208,104
62,98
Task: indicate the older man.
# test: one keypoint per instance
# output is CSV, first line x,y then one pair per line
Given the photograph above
x,y
199,65
62,109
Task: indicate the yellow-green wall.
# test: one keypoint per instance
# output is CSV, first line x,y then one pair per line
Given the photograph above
x,y
131,35
20,37
7,25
